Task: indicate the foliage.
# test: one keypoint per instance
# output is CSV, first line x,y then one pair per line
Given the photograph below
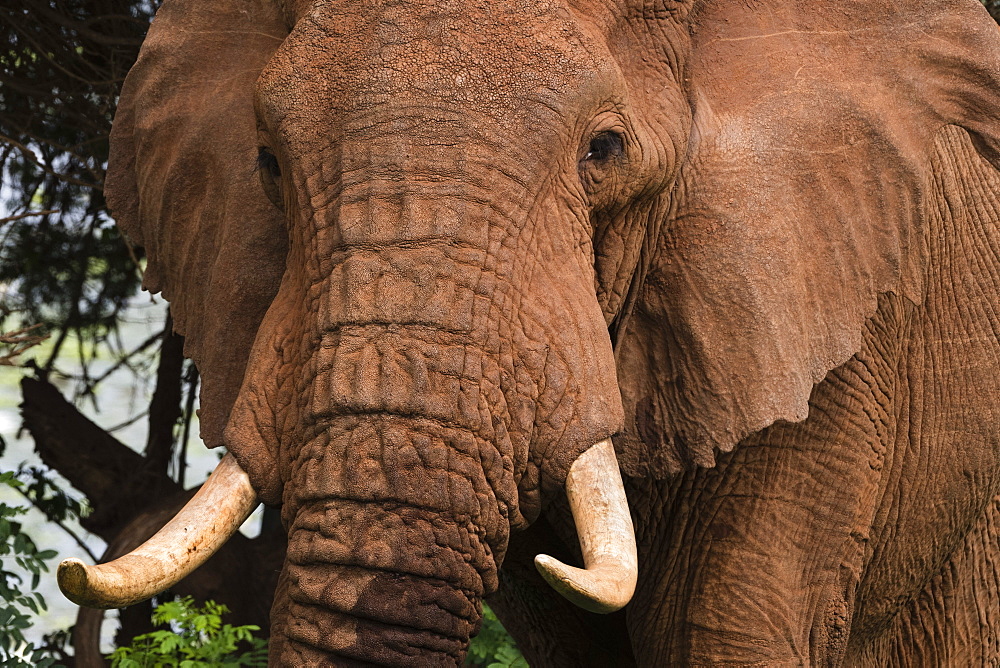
x,y
17,605
52,500
994,8
493,647
197,639
62,262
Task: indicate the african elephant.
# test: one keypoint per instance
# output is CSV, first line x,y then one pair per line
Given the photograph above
x,y
427,254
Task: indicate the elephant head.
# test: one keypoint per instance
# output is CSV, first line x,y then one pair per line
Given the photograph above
x,y
428,254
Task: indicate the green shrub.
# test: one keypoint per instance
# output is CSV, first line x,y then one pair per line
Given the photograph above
x,y
493,647
197,639
17,606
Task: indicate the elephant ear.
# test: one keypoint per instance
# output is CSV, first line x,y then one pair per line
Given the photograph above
x,y
802,197
182,183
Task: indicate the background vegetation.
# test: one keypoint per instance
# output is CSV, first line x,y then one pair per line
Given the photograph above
x,y
66,274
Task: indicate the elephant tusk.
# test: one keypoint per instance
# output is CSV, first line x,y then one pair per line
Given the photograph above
x,y
600,510
184,543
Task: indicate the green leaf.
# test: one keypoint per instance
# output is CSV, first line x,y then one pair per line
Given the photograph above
x,y
493,647
197,638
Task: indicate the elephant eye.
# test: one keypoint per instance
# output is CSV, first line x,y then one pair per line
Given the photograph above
x,y
266,162
270,176
605,146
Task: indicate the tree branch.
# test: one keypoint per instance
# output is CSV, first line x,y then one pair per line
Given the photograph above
x,y
110,474
81,29
165,407
31,157
21,342
122,362
26,214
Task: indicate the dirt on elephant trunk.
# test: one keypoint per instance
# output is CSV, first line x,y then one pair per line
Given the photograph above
x,y
393,532
357,586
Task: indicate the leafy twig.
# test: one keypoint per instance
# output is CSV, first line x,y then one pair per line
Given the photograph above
x,y
59,523
21,341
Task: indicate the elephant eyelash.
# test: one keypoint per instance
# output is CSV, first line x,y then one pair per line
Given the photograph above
x,y
267,162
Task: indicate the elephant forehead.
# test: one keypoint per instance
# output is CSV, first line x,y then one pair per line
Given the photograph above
x,y
504,60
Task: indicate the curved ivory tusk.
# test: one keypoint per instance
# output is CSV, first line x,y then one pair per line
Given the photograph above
x,y
184,543
600,510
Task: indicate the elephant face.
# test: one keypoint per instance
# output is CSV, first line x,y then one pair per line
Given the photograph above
x,y
440,206
427,254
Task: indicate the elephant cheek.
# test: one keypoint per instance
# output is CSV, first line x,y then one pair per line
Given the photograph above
x,y
253,433
243,439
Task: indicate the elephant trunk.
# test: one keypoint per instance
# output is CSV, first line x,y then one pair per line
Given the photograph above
x,y
352,589
397,491
389,550
385,413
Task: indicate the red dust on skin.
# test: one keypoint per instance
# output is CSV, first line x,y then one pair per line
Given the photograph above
x,y
442,294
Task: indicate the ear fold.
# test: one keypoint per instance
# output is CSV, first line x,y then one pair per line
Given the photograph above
x,y
801,199
182,183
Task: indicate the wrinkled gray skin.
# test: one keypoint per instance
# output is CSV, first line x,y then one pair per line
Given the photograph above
x,y
756,243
